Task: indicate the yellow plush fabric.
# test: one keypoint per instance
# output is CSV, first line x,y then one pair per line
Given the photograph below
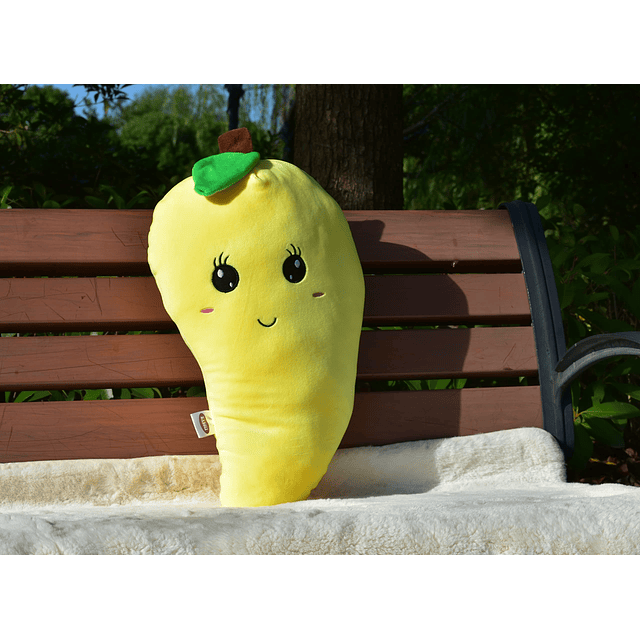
x,y
265,285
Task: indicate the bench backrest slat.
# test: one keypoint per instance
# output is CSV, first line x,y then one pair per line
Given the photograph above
x,y
36,305
98,362
132,428
107,242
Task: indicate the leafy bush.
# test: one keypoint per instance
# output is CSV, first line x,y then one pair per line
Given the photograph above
x,y
599,290
473,146
52,158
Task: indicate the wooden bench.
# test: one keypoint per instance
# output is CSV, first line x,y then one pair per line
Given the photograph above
x,y
66,271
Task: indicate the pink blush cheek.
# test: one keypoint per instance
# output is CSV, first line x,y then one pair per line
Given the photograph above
x,y
206,310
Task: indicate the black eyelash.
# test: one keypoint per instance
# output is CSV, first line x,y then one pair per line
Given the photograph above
x,y
215,260
296,251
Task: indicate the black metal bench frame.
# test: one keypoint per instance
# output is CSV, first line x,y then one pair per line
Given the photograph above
x,y
557,366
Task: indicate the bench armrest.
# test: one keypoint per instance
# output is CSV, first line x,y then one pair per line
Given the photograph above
x,y
557,368
593,349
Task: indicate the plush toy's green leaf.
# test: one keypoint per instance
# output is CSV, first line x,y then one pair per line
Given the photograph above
x,y
218,172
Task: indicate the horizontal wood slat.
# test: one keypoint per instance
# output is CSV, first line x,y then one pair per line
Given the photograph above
x,y
39,305
93,242
70,242
400,416
136,428
96,362
89,362
450,241
471,298
100,429
447,353
130,304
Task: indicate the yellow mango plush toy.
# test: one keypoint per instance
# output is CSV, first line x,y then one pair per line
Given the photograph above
x,y
257,267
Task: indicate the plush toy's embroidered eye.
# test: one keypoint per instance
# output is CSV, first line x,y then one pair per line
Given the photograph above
x,y
225,278
294,268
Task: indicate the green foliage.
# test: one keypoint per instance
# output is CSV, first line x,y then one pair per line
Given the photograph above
x,y
168,130
50,157
474,146
102,394
266,143
596,277
465,146
107,94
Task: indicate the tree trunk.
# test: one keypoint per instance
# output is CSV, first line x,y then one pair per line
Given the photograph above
x,y
235,93
349,138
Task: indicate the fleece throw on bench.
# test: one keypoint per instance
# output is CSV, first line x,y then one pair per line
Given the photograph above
x,y
496,493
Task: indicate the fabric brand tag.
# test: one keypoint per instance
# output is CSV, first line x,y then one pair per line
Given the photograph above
x,y
202,423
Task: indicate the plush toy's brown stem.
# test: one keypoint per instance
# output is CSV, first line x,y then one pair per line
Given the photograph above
x,y
236,140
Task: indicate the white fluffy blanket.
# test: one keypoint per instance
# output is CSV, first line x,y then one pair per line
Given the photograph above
x,y
497,493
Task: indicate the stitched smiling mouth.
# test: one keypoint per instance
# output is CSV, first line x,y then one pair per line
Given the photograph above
x,y
267,325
